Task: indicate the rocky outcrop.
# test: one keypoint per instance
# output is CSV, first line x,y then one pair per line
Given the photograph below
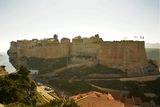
x,y
48,54
3,70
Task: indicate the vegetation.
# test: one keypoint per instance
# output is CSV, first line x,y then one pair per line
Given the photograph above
x,y
84,72
109,84
72,87
45,65
154,87
73,80
52,103
19,90
18,87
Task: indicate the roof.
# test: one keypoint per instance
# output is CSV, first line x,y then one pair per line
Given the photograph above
x,y
116,95
128,105
93,94
96,99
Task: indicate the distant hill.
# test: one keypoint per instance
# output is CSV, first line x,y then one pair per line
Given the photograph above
x,y
154,54
152,45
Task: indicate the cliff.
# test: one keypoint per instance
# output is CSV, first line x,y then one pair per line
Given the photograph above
x,y
49,54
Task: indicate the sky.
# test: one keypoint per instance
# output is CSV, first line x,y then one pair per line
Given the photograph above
x,y
111,19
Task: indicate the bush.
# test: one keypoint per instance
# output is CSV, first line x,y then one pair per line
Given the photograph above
x,y
18,87
23,71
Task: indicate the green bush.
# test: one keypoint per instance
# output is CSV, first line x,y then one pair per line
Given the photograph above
x,y
17,87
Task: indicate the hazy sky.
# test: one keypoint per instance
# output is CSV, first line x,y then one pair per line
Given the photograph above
x,y
112,19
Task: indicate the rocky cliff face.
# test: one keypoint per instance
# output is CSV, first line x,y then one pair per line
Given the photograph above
x,y
47,55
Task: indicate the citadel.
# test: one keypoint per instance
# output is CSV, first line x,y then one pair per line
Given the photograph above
x,y
50,54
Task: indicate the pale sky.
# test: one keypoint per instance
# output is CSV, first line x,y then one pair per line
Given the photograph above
x,y
112,19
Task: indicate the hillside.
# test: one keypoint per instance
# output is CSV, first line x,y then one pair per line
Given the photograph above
x,y
152,45
99,78
154,54
72,80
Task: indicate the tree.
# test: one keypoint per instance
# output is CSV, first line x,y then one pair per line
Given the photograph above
x,y
23,71
55,36
97,35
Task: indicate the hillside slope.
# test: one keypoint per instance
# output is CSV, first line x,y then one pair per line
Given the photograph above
x,y
154,54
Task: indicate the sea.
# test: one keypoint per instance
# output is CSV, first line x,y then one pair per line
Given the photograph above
x,y
4,60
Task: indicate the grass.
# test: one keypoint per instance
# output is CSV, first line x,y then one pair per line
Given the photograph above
x,y
45,65
109,84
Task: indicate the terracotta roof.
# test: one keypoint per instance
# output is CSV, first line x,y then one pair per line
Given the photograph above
x,y
96,99
93,94
128,105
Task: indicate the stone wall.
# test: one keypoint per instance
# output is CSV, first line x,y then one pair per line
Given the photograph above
x,y
124,55
20,51
88,49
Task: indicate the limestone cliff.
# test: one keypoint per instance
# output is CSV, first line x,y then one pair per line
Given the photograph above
x,y
49,54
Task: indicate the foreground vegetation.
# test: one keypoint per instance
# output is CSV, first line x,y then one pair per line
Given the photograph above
x,y
52,103
19,90
18,87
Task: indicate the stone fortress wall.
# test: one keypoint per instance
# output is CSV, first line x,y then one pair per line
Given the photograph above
x,y
124,55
